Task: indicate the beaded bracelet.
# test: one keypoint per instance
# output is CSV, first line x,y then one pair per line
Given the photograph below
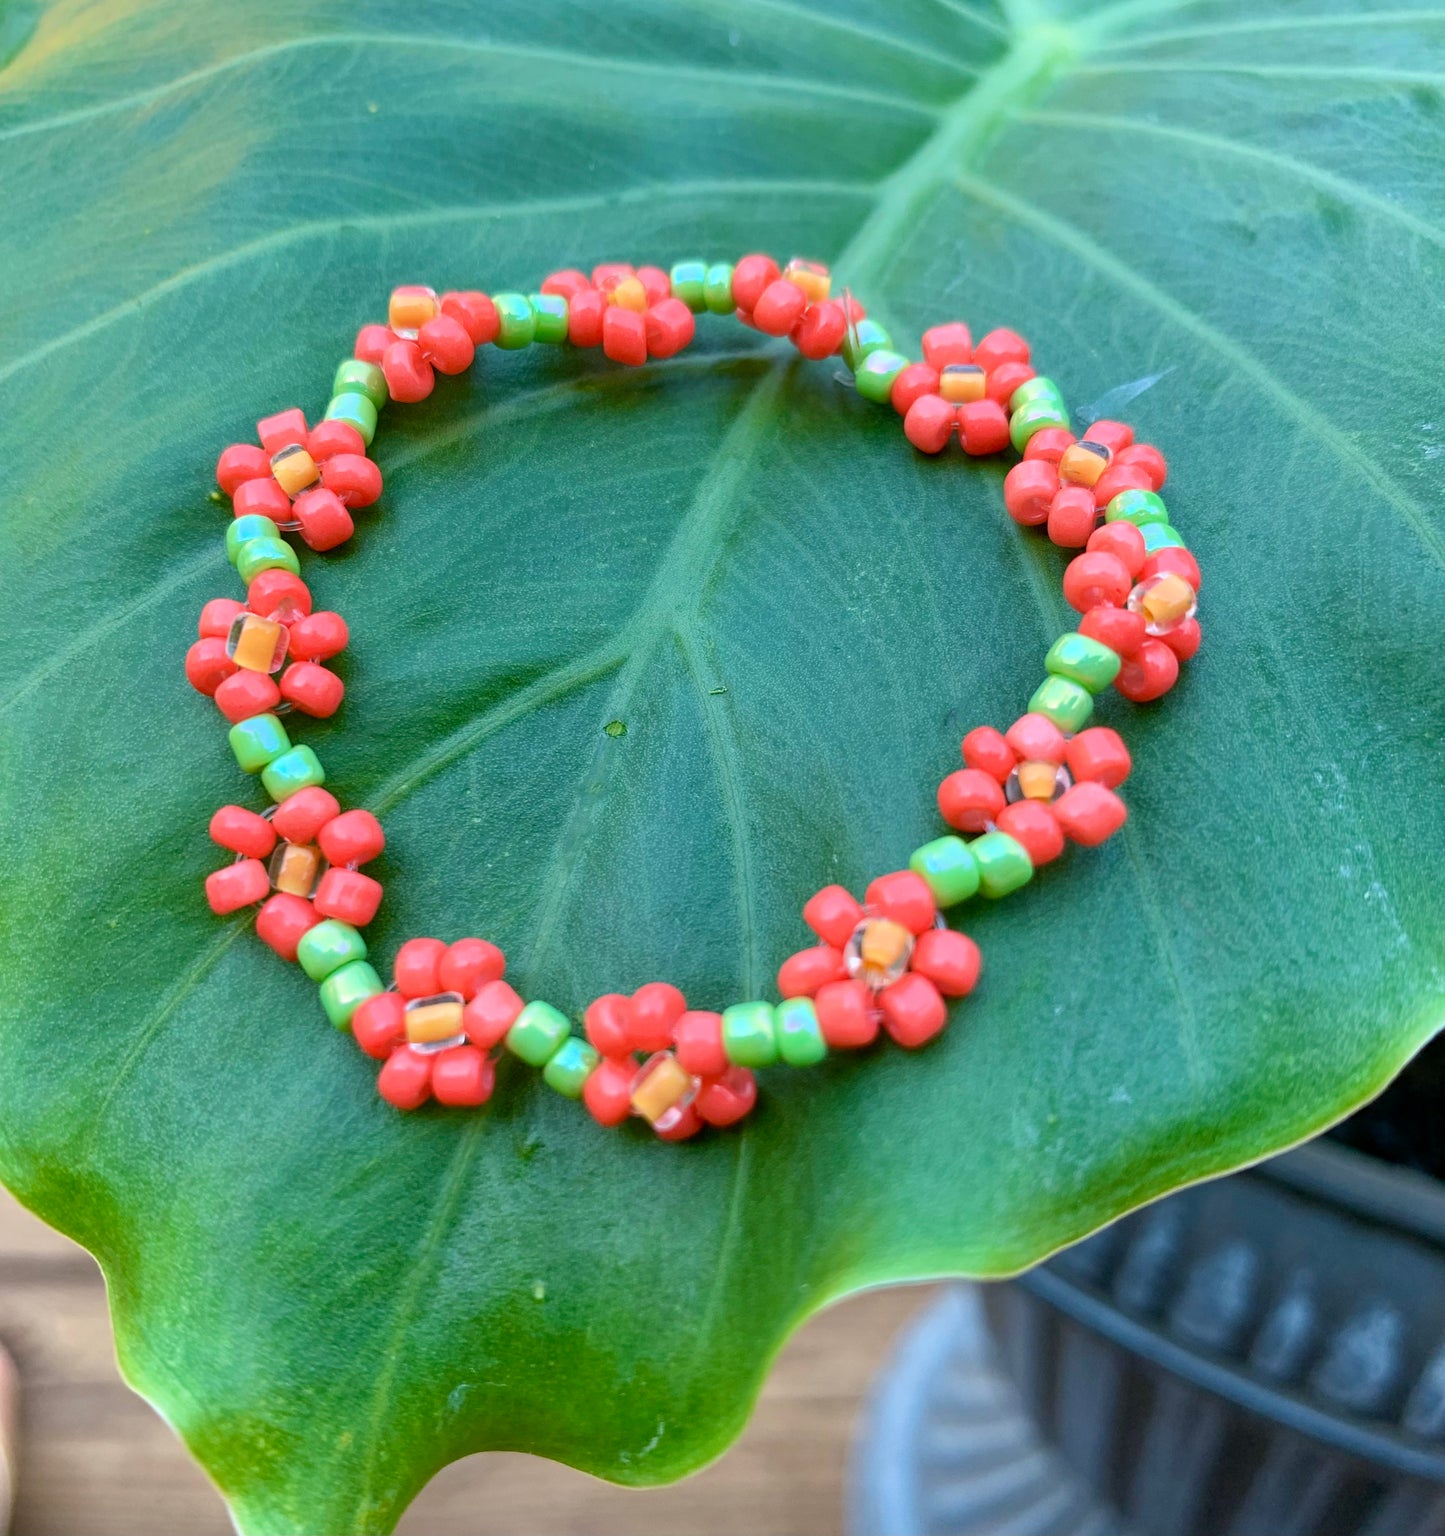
x,y
888,961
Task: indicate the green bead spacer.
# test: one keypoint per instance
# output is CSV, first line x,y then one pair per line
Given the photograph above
x,y
299,768
536,1033
1064,702
344,991
1033,389
353,377
572,1063
1003,863
1034,417
750,1034
800,1036
717,288
257,555
516,321
1160,536
877,372
357,410
949,867
550,310
1138,507
689,281
865,337
327,947
258,741
1084,661
254,525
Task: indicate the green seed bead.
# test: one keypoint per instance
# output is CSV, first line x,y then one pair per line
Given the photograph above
x,y
355,409
1138,507
1085,661
750,1034
1063,701
536,1033
865,337
257,555
1003,863
689,281
299,768
949,867
800,1036
258,741
327,947
717,288
1034,417
354,377
877,372
1033,389
570,1066
550,310
243,529
1160,536
516,321
344,991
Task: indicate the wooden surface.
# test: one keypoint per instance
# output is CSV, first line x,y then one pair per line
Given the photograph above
x,y
96,1461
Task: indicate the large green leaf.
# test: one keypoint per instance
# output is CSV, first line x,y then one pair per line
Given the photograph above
x,y
1220,220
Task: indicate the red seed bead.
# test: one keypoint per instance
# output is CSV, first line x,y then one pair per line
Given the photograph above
x,y
246,693
462,1077
409,376
584,318
1119,628
263,497
905,897
608,1024
656,284
1120,477
1149,673
624,336
607,1093
490,1014
802,974
328,438
243,831
1032,824
929,422
354,478
379,1025
1029,489
1113,435
949,959
1184,639
948,343
281,430
318,636
687,1123
983,427
1001,346
444,343
238,464
208,666
656,1007
698,1041
217,617
301,816
779,308
1098,756
475,312
405,1079
1072,515
750,277
820,332
348,896
912,383
607,274
846,1015
566,283
1004,380
833,915
670,326
279,594
469,965
1094,579
913,1010
237,885
969,799
312,689
1036,739
985,749
283,920
371,342
1089,813
1146,458
1049,444
852,309
1174,559
727,1098
416,967
325,522
1121,539
353,837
